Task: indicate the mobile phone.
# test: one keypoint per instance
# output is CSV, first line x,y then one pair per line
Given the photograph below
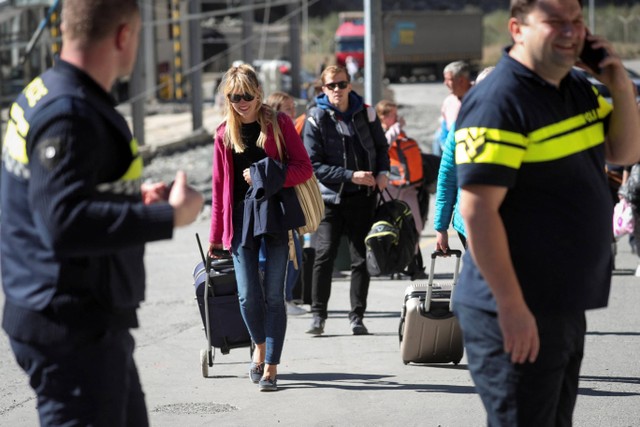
x,y
591,56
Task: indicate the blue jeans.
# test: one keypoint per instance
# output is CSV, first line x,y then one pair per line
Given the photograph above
x,y
292,272
542,393
262,301
92,382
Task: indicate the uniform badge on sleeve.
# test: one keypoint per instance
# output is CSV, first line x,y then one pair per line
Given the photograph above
x,y
50,152
474,142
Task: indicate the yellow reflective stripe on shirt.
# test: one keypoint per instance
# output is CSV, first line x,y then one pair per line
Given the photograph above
x,y
17,115
486,145
15,143
135,168
555,141
129,183
565,144
569,136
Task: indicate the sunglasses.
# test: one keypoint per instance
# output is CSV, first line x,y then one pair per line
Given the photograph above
x,y
234,98
340,85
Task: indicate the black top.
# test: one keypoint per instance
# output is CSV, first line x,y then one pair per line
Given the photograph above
x,y
241,161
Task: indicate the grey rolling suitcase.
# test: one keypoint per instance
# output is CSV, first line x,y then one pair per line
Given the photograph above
x,y
429,332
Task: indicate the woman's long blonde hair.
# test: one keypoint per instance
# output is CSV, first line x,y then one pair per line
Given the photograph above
x,y
243,79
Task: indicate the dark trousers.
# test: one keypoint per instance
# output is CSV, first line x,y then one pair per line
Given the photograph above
x,y
94,382
353,217
537,394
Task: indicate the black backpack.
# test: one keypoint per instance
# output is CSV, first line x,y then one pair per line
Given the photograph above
x,y
392,240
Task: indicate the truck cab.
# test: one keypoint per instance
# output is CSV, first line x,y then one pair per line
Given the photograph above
x,y
349,38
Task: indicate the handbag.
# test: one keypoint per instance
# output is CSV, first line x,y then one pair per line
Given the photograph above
x,y
310,200
623,221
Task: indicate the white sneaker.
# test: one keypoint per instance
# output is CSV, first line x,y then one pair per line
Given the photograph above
x,y
294,310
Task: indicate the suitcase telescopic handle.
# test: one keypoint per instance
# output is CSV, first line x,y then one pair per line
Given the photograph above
x,y
205,295
434,255
207,261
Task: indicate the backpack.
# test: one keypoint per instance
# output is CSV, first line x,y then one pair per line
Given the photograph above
x,y
406,162
391,242
299,123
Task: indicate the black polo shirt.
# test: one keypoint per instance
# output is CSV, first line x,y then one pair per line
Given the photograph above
x,y
546,145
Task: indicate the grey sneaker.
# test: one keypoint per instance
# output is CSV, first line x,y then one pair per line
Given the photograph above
x,y
317,326
255,372
268,384
358,328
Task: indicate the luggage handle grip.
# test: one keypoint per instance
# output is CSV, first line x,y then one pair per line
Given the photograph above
x,y
437,253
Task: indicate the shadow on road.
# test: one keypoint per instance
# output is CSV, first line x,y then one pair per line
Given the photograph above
x,y
368,382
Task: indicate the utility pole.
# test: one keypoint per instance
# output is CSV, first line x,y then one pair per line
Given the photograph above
x,y
140,77
148,41
372,52
247,31
136,87
305,25
294,49
195,54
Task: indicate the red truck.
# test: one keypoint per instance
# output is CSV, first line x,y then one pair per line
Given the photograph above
x,y
350,38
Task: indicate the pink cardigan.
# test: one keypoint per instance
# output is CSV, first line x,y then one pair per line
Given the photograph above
x,y
299,169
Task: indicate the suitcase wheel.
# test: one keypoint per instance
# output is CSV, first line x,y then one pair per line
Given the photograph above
x,y
204,363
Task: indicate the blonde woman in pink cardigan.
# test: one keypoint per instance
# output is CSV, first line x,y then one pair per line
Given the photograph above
x,y
247,137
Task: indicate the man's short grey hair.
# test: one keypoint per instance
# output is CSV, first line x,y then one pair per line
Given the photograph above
x,y
458,69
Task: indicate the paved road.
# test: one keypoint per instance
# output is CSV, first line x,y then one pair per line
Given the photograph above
x,y
337,379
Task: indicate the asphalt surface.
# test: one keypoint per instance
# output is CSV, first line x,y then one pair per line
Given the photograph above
x,y
337,379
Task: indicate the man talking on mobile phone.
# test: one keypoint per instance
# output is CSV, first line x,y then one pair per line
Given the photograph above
x,y
532,142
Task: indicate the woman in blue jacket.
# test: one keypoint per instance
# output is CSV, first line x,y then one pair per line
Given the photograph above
x,y
447,194
447,197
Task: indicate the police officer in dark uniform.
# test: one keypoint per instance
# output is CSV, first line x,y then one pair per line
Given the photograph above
x,y
75,221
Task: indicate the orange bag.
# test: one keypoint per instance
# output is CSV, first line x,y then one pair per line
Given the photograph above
x,y
406,162
299,123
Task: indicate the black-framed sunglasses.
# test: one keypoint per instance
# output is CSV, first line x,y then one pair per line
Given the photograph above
x,y
234,98
340,85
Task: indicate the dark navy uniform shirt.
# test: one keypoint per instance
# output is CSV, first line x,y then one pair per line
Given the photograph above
x,y
546,145
73,222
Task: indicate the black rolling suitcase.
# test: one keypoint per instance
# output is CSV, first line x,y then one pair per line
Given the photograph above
x,y
220,311
429,332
